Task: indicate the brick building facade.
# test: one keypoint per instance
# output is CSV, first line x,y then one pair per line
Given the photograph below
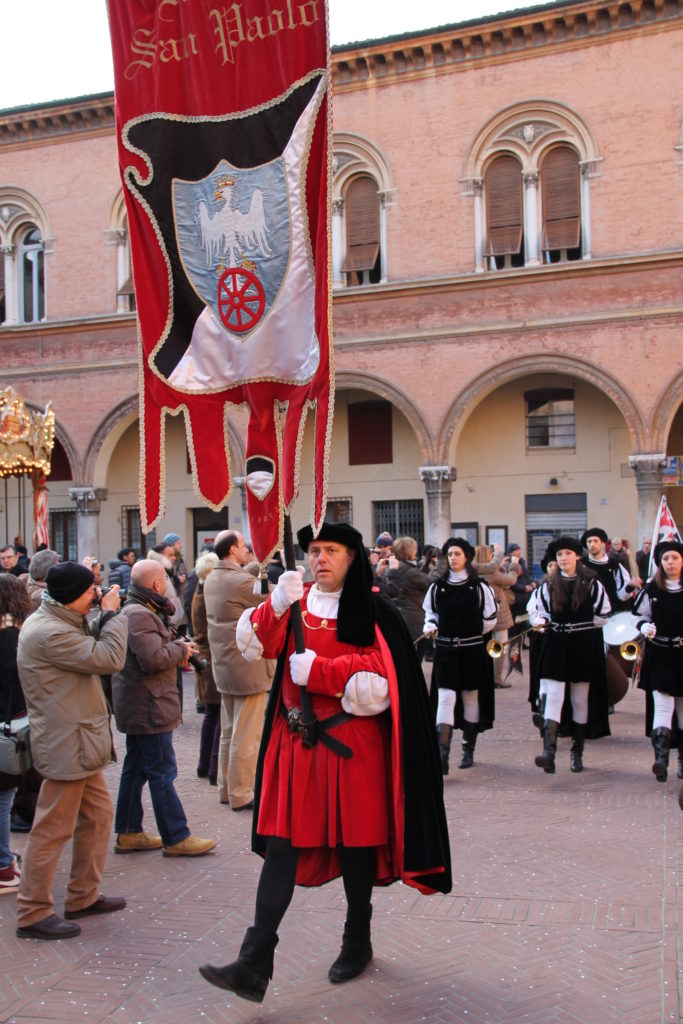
x,y
508,271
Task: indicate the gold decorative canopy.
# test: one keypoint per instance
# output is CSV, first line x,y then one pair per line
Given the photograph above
x,y
26,437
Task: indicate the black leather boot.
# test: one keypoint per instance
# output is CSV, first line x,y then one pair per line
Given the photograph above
x,y
249,974
444,734
356,951
661,740
680,759
538,716
576,752
546,760
470,731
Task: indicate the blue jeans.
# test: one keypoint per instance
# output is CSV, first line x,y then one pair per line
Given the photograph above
x,y
151,759
6,801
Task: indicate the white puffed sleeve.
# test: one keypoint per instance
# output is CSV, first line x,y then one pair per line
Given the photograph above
x,y
247,641
366,693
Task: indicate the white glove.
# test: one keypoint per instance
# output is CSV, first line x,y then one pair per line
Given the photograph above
x,y
430,628
366,694
538,621
300,665
648,630
290,588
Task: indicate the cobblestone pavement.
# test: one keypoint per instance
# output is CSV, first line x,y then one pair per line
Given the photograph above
x,y
564,910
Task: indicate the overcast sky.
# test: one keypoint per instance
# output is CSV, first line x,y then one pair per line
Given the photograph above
x,y
58,49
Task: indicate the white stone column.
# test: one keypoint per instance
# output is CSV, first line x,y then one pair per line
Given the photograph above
x,y
648,470
11,297
88,503
383,203
478,193
530,205
337,243
586,243
438,482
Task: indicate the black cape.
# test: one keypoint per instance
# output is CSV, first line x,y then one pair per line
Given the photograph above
x,y
426,848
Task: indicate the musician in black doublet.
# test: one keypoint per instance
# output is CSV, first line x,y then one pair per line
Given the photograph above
x,y
658,614
571,607
463,608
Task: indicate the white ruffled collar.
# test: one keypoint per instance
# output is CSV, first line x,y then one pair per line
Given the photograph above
x,y
323,605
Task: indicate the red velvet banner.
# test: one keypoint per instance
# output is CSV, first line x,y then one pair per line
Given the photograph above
x,y
223,124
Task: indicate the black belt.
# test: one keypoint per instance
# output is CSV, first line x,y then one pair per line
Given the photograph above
x,y
311,732
571,627
459,641
666,641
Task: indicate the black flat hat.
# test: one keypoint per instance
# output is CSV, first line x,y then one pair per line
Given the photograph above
x,y
667,545
595,531
458,542
563,544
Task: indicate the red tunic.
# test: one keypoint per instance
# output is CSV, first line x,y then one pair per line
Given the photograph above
x,y
312,796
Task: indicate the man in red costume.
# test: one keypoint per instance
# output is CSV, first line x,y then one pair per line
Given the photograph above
x,y
360,794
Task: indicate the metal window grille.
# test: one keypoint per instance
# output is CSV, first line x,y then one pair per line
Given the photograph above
x,y
401,518
550,422
131,531
64,533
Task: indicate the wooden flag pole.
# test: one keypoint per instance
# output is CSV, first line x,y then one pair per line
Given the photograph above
x,y
295,618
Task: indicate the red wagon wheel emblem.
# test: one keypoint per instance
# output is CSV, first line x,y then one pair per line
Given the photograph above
x,y
241,299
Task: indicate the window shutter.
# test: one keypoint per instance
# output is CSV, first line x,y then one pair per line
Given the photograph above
x,y
362,225
370,433
561,201
504,218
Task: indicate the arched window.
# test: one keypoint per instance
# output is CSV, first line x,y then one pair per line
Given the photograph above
x,y
528,172
504,214
361,264
560,188
363,194
25,239
31,265
117,235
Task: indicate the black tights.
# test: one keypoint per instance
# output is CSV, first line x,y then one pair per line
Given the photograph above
x,y
278,876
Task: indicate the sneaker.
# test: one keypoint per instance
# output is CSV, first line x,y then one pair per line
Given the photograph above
x,y
135,842
193,846
9,878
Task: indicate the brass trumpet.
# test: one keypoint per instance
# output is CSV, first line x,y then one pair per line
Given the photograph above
x,y
495,648
630,649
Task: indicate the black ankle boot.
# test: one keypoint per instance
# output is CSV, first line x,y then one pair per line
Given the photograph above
x,y
576,752
546,760
470,731
661,740
356,951
249,974
444,734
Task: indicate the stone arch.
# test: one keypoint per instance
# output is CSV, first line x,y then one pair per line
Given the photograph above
x,y
663,414
113,426
527,129
542,362
354,155
347,379
18,206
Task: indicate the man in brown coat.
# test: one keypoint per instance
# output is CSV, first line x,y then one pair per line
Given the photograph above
x,y
228,591
147,709
60,662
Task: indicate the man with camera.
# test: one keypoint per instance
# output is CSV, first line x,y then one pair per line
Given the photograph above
x,y
147,710
60,660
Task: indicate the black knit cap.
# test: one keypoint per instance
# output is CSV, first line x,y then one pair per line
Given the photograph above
x,y
563,544
356,618
595,531
66,581
667,545
459,542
